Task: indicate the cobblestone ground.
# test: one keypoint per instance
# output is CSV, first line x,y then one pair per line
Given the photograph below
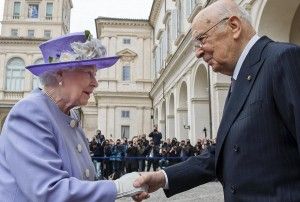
x,y
210,192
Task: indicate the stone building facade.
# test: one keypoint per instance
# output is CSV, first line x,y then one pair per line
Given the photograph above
x,y
25,25
188,98
123,105
158,80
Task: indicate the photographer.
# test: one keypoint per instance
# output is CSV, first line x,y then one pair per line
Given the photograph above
x,y
131,154
156,136
142,145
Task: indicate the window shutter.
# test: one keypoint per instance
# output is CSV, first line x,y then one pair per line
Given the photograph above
x,y
168,37
165,44
188,5
157,59
174,24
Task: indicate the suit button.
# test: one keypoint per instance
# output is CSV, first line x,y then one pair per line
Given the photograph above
x,y
236,148
233,189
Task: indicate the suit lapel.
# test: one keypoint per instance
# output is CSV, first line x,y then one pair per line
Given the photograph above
x,y
243,85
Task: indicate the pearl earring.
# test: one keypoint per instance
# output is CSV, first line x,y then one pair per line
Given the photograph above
x,y
60,83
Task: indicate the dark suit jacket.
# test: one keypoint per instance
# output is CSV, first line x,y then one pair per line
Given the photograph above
x,y
256,157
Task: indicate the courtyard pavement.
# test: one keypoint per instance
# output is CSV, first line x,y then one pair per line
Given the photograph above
x,y
210,192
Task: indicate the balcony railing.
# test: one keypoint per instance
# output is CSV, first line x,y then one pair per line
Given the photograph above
x,y
16,16
10,95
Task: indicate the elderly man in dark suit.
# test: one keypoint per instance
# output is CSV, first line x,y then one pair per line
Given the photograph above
x,y
257,153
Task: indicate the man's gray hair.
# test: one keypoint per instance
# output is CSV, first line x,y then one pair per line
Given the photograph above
x,y
227,11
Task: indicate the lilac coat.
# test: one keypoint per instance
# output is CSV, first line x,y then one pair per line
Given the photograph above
x,y
42,158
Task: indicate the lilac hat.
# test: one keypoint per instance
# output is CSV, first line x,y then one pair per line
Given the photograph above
x,y
71,51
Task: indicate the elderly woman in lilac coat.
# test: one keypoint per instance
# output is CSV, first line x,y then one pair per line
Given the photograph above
x,y
44,154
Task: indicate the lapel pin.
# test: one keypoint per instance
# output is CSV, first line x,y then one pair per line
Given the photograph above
x,y
249,77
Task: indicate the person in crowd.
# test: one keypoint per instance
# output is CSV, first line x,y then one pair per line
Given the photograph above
x,y
131,157
166,146
142,144
152,152
163,162
256,156
124,143
145,142
100,138
117,155
189,148
93,146
198,147
168,141
44,154
99,154
107,164
156,136
183,150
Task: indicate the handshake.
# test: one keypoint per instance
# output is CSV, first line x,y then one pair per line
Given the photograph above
x,y
125,186
139,185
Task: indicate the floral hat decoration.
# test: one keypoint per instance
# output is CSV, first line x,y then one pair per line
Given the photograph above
x,y
71,51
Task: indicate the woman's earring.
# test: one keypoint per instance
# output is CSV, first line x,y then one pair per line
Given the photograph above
x,y
60,83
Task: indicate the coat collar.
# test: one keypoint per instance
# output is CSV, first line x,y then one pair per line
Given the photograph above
x,y
243,85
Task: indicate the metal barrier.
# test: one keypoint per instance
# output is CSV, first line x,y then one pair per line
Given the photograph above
x,y
101,162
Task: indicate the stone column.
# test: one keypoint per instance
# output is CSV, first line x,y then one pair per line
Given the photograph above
x,y
2,72
200,118
110,132
102,121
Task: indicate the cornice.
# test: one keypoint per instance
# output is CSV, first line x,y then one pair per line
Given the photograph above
x,y
122,21
35,23
221,86
21,40
155,11
105,94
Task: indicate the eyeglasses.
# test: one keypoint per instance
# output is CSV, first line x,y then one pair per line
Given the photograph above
x,y
200,39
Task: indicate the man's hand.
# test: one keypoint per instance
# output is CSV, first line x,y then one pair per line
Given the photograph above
x,y
125,186
152,180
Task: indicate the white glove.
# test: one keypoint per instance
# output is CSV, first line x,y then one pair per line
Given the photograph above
x,y
125,186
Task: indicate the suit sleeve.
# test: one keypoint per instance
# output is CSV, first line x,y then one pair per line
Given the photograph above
x,y
286,82
33,160
195,171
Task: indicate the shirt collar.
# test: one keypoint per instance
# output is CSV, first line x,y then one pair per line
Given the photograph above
x,y
245,52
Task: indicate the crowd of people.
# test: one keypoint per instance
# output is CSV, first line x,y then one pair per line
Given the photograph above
x,y
113,158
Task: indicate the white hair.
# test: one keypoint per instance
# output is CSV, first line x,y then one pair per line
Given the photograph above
x,y
49,78
227,11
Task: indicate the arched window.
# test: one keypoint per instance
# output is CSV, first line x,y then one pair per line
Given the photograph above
x,y
35,80
15,74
